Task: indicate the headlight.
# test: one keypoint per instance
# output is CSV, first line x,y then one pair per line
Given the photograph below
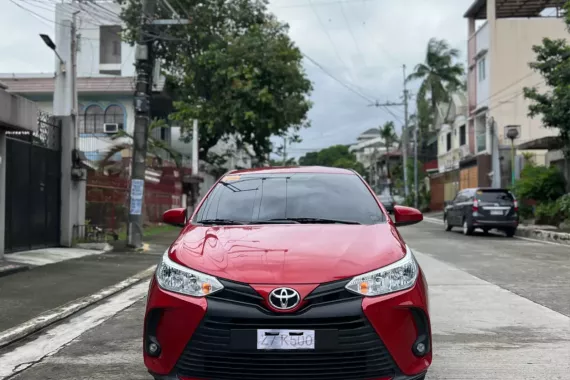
x,y
398,276
179,279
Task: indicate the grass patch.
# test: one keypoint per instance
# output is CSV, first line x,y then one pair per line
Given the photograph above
x,y
151,230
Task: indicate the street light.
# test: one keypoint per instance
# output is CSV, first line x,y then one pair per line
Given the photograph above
x,y
49,43
512,132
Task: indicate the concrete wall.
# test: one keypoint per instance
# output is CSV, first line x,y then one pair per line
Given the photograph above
x,y
17,112
511,52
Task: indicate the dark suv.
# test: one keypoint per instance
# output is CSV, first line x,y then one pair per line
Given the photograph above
x,y
484,208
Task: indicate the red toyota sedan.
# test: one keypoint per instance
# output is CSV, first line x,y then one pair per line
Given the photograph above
x,y
289,273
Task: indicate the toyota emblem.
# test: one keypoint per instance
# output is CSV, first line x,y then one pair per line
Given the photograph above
x,y
284,298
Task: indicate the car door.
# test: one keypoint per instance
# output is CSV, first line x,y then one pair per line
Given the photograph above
x,y
452,211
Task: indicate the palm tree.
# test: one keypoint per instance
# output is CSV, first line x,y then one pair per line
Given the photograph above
x,y
440,73
155,147
388,134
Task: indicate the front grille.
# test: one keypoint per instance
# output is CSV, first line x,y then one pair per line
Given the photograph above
x,y
358,354
245,295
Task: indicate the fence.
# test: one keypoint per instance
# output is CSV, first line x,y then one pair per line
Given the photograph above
x,y
108,201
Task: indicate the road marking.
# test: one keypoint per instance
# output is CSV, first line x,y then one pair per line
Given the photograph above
x,y
482,331
440,222
54,339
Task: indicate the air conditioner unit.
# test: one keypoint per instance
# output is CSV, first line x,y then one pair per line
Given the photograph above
x,y
111,128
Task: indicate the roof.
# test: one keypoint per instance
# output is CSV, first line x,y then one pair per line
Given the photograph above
x,y
46,85
511,8
543,143
371,131
293,169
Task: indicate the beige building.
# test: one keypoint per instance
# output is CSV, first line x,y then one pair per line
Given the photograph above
x,y
501,36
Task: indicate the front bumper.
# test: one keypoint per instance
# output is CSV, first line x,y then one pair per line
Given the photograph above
x,y
356,338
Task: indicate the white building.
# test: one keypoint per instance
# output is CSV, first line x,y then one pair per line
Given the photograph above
x,y
501,36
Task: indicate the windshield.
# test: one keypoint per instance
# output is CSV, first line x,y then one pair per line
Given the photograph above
x,y
495,196
253,198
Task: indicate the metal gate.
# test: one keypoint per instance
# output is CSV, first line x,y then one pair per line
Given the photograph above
x,y
33,167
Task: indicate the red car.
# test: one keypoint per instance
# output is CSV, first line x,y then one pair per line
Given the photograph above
x,y
282,274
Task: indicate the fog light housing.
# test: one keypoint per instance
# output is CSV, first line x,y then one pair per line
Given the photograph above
x,y
153,347
421,348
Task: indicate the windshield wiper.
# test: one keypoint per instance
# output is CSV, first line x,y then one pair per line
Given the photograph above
x,y
276,221
227,222
317,220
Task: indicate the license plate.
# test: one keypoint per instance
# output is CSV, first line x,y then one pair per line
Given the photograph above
x,y
285,339
496,212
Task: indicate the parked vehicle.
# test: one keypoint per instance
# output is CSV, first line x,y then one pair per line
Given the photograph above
x,y
286,274
388,202
483,208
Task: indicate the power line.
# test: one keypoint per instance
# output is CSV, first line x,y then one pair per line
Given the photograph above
x,y
338,80
350,30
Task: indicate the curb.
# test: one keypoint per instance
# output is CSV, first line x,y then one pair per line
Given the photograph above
x,y
544,235
12,268
54,315
527,233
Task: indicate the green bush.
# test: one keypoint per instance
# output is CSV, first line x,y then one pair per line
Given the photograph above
x,y
548,213
540,183
564,206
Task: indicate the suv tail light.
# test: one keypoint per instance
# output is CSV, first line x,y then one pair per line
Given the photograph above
x,y
475,205
516,205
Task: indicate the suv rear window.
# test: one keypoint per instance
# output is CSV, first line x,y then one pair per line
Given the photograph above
x,y
258,197
494,196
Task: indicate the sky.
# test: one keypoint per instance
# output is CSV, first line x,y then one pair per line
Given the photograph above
x,y
361,43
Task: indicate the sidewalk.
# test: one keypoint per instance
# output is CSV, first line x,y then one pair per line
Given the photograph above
x,y
27,294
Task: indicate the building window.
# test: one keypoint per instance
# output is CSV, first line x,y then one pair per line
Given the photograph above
x,y
448,145
110,44
481,65
115,114
462,135
94,119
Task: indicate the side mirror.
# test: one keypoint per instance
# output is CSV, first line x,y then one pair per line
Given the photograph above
x,y
405,216
175,217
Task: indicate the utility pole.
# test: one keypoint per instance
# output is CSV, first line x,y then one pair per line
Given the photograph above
x,y
405,136
416,185
404,131
284,151
144,68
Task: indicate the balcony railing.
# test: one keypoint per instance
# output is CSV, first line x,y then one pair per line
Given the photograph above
x,y
481,142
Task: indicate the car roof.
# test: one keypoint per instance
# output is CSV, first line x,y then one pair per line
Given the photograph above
x,y
293,169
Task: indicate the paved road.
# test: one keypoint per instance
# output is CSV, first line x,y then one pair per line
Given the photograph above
x,y
499,311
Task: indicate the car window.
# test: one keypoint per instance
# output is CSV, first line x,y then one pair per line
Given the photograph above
x,y
495,196
257,197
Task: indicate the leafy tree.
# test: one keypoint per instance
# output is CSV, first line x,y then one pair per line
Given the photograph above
x,y
337,156
233,67
440,73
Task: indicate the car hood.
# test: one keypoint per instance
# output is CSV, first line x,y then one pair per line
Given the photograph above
x,y
288,254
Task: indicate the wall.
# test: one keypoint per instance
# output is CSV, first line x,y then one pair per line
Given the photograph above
x,y
89,20
510,73
482,44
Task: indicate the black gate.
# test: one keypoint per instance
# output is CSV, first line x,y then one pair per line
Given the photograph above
x,y
33,167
